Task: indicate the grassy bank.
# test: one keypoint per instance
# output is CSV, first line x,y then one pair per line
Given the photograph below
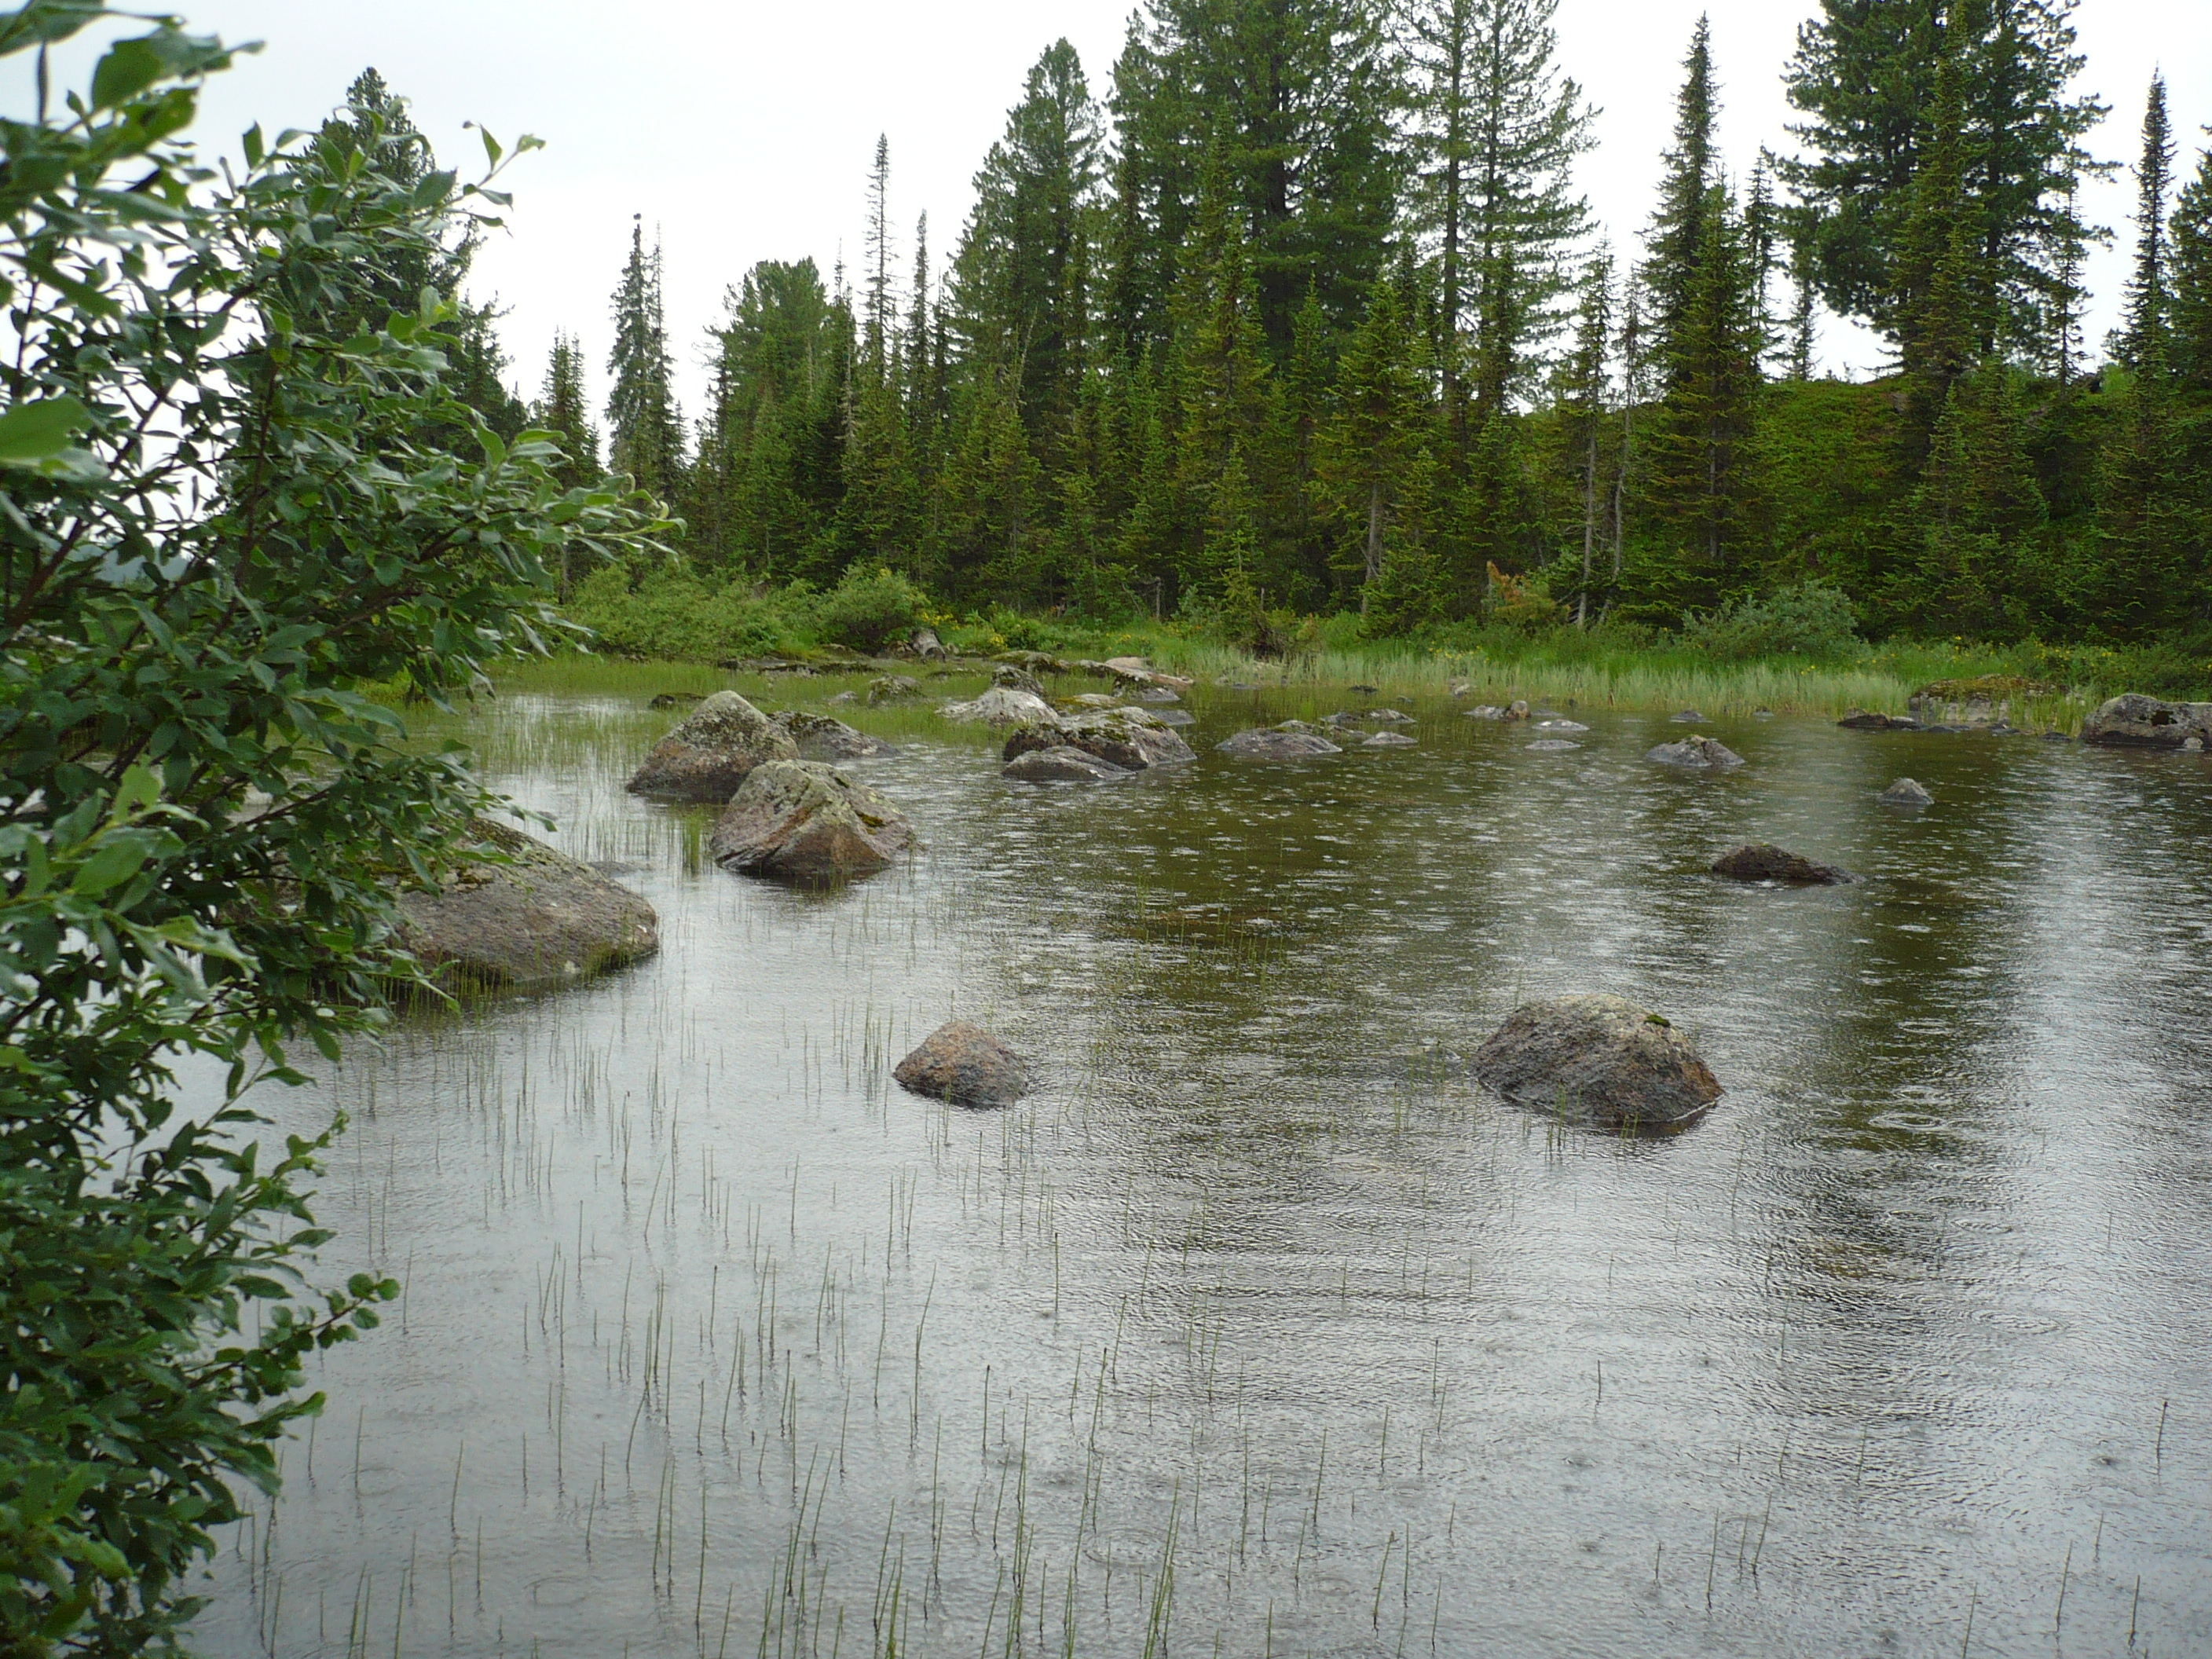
x,y
1593,670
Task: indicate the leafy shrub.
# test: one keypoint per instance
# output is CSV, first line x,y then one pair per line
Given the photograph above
x,y
1807,619
669,614
1522,603
296,532
871,607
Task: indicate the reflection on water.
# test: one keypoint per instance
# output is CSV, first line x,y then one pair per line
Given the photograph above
x,y
1261,1330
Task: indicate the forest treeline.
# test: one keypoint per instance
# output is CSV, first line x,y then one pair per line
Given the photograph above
x,y
1305,312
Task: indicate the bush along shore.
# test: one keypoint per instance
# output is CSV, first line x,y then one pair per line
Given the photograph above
x,y
1794,653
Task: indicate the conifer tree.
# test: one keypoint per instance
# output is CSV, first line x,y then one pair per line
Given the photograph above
x,y
2142,333
1022,277
1801,300
1371,432
879,306
563,409
1498,129
1980,511
645,431
1942,298
1585,385
1689,170
1864,74
2189,307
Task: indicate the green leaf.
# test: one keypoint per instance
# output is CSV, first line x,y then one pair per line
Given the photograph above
x,y
32,433
114,862
129,67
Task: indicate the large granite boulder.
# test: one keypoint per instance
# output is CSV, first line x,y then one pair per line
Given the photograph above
x,y
965,1065
821,738
1293,740
536,920
2134,722
806,820
709,755
1132,739
1000,706
1763,862
1603,1060
1696,754
1062,764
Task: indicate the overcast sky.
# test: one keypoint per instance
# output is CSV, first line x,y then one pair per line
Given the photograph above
x,y
743,131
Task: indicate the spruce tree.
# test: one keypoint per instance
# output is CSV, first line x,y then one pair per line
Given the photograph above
x,y
1585,384
645,431
2142,338
1689,170
1864,74
564,410
1295,98
1943,300
1497,130
1980,512
878,305
2188,305
1022,277
1372,428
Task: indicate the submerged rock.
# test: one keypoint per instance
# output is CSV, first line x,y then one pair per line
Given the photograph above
x,y
1561,725
1062,762
821,738
965,1065
1177,717
1763,862
1696,754
1389,740
1274,743
1598,1059
1001,705
1156,694
1133,739
1552,745
538,920
1906,792
1388,716
710,754
806,820
1687,717
1859,720
676,699
2134,722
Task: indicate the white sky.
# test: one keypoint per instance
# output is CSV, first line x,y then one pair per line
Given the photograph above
x,y
743,131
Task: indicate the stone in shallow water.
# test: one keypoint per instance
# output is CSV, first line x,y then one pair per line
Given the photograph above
x,y
821,738
1062,763
1561,725
965,1065
1603,1060
1389,716
1906,792
538,920
1763,862
1687,717
711,753
806,820
2136,721
1389,740
1696,754
1134,739
1001,705
1275,743
1552,746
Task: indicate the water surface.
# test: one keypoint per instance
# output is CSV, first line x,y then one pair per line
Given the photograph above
x,y
1259,1329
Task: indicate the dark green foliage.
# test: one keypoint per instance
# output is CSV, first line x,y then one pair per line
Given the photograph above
x,y
1810,619
207,815
870,608
1302,329
645,433
1865,74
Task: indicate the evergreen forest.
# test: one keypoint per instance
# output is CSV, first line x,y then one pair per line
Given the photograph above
x,y
1301,312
